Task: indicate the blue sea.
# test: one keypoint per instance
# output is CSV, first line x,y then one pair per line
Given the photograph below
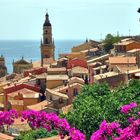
x,y
30,50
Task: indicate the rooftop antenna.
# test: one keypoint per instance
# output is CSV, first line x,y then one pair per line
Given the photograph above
x,y
101,36
41,41
129,32
118,34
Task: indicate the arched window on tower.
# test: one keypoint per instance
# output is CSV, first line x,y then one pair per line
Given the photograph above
x,y
46,41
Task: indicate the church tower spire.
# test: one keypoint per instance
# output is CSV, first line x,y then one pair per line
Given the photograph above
x,y
47,46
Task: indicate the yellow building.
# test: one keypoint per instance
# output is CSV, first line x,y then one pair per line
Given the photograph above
x,y
21,65
52,81
19,100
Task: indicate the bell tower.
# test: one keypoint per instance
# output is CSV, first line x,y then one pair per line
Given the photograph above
x,y
47,45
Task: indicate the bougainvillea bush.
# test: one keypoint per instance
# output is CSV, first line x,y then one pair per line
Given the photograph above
x,y
106,131
114,131
50,121
7,118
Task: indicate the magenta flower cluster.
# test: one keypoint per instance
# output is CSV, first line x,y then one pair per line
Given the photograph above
x,y
106,129
126,108
115,132
49,121
7,117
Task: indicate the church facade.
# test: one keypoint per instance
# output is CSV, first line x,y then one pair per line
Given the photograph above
x,y
3,68
47,44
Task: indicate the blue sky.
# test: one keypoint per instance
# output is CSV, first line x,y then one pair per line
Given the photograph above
x,y
71,19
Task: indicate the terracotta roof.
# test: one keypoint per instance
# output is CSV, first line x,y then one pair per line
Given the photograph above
x,y
36,64
89,44
79,70
106,56
134,71
122,60
133,51
76,80
61,88
16,102
100,67
55,93
41,76
125,68
57,77
56,69
76,62
22,61
26,93
40,106
5,137
126,41
90,50
105,75
137,74
63,59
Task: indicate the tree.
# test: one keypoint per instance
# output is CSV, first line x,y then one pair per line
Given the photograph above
x,y
97,103
109,41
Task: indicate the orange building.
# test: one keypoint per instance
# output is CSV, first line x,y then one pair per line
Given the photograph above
x,y
19,96
73,55
126,45
85,46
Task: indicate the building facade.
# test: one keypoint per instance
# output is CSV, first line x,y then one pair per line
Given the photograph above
x,y
47,45
21,65
3,69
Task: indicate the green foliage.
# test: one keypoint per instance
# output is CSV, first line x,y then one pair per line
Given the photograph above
x,y
109,41
36,134
97,102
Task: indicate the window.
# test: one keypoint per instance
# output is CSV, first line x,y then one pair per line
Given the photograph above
x,y
50,98
46,41
75,92
61,100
